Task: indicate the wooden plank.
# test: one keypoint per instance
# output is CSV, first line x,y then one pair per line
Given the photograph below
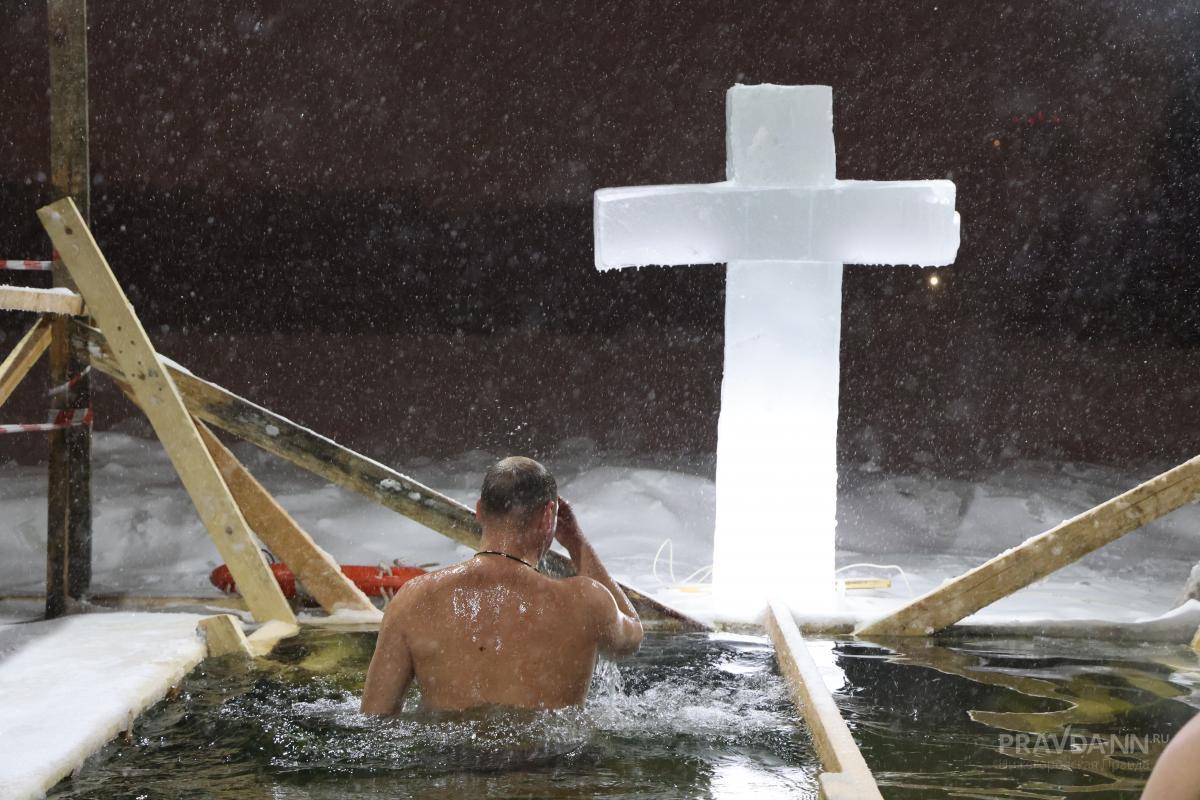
x,y
44,301
342,466
316,569
846,774
160,400
69,496
223,635
1041,555
22,358
271,633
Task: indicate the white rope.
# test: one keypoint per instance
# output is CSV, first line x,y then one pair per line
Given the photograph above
x,y
697,576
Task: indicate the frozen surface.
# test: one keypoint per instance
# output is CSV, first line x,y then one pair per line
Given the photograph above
x,y
69,686
149,541
785,226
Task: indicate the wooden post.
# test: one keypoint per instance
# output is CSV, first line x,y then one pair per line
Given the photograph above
x,y
344,467
320,574
69,513
22,358
224,636
1041,555
159,398
846,775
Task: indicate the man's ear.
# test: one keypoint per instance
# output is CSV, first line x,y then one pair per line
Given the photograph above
x,y
479,508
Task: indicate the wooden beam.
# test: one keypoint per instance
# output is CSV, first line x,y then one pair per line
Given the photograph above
x,y
342,466
1041,555
160,400
43,301
316,569
271,633
224,636
69,495
22,358
846,774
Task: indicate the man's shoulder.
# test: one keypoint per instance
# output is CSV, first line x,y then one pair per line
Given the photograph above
x,y
587,591
422,586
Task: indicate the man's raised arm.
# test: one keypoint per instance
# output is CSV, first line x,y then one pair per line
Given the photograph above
x,y
621,629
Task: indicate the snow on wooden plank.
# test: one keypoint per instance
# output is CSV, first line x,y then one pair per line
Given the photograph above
x,y
45,301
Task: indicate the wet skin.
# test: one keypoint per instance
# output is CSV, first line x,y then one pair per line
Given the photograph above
x,y
492,631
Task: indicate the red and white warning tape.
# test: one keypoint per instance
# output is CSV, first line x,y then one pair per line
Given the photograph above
x,y
69,385
59,420
35,266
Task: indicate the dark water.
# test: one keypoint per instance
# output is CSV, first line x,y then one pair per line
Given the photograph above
x,y
690,716
1031,719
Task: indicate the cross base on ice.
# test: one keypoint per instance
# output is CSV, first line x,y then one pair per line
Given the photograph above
x,y
785,225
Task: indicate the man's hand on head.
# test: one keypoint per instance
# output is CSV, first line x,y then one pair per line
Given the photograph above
x,y
568,532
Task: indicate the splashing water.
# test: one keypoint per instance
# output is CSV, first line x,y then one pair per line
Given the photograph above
x,y
686,716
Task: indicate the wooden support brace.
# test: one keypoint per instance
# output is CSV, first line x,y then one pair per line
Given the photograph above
x,y
316,569
22,358
223,635
263,640
159,398
846,775
342,466
1041,555
45,301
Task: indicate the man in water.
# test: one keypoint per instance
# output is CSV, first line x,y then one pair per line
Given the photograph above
x,y
493,631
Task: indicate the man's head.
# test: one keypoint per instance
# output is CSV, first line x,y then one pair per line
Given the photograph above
x,y
520,495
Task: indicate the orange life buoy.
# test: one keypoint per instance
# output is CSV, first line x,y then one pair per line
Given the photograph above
x,y
372,580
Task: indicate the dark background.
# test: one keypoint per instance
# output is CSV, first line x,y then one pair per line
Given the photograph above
x,y
375,217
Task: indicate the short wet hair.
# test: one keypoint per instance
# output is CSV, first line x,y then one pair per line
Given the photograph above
x,y
516,485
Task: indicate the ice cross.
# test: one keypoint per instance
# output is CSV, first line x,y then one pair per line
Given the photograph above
x,y
785,225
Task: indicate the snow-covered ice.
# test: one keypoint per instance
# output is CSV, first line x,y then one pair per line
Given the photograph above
x,y
785,225
149,541
69,686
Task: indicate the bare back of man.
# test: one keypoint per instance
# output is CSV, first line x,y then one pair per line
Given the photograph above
x,y
493,631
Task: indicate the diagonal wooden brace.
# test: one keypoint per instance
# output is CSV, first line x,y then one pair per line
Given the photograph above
x,y
321,575
22,358
344,467
159,398
1041,555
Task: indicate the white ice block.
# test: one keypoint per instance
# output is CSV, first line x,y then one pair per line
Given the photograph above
x,y
777,438
850,222
785,225
779,135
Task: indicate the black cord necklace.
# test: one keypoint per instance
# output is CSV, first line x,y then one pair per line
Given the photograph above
x,y
506,555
